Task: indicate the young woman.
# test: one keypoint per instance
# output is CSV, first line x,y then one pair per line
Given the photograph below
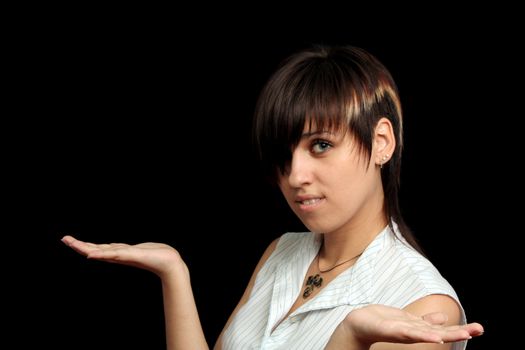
x,y
328,126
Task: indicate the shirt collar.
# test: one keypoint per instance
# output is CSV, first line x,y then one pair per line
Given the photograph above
x,y
353,286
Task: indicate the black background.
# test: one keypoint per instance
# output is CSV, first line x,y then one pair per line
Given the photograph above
x,y
133,128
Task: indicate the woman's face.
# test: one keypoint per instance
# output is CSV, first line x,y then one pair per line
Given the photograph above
x,y
330,184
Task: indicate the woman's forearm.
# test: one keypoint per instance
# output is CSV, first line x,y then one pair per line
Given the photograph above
x,y
183,326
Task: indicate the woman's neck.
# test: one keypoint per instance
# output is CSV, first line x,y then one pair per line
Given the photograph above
x,y
351,240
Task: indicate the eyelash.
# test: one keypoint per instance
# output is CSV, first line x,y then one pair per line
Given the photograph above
x,y
327,145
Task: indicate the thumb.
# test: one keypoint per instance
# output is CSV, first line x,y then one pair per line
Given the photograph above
x,y
435,318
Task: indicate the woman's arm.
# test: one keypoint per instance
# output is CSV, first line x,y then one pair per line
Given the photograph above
x,y
376,327
183,327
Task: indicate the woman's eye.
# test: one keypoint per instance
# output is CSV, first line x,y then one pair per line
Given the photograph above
x,y
320,146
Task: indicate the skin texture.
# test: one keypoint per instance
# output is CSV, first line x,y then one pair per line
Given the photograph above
x,y
335,190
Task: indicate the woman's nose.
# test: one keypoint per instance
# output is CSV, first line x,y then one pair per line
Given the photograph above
x,y
300,169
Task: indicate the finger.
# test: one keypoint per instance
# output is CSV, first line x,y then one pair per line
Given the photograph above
x,y
439,334
119,254
474,329
68,239
456,335
80,247
72,242
419,334
435,318
106,245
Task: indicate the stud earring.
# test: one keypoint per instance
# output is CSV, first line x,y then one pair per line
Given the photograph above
x,y
383,160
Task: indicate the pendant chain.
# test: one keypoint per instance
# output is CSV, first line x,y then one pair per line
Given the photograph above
x,y
336,265
317,281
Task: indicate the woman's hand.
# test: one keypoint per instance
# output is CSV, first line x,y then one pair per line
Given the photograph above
x,y
158,258
183,327
379,323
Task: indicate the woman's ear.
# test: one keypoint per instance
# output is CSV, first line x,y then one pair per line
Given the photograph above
x,y
384,141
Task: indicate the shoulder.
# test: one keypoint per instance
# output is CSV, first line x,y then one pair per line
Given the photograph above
x,y
287,248
403,275
399,258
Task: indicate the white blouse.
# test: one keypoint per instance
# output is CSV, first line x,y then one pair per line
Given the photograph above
x,y
389,272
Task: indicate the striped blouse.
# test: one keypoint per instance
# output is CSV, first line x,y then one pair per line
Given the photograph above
x,y
389,272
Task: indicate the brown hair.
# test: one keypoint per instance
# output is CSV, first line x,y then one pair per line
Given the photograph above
x,y
343,88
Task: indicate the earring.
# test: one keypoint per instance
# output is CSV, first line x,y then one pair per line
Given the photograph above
x,y
384,160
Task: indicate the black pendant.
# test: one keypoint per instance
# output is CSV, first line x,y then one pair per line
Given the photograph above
x,y
311,282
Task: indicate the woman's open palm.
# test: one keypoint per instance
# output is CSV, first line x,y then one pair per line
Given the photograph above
x,y
158,258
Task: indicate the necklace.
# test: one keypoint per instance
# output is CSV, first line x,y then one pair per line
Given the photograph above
x,y
317,281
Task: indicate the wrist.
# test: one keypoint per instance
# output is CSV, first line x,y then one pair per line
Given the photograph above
x,y
350,325
345,337
174,267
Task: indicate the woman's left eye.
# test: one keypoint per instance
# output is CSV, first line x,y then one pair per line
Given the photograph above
x,y
320,146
